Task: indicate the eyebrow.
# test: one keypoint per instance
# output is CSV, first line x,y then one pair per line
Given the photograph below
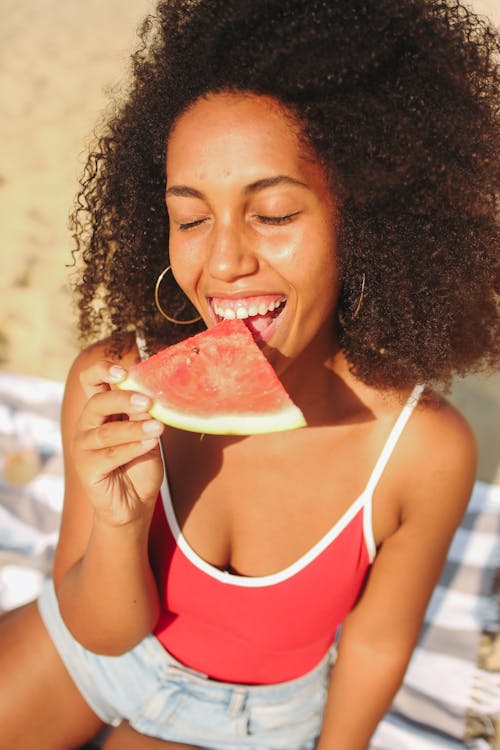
x,y
184,191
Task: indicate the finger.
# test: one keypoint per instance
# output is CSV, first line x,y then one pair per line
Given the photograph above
x,y
103,405
100,376
139,417
111,434
108,460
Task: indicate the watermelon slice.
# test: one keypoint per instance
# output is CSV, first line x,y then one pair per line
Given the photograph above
x,y
217,382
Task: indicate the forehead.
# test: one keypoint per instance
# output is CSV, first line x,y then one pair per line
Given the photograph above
x,y
229,128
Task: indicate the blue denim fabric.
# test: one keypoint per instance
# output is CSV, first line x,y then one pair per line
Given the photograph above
x,y
160,697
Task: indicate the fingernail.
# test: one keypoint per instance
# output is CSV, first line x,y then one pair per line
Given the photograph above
x,y
139,401
152,427
116,372
148,444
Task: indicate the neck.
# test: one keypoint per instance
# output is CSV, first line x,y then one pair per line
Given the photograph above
x,y
319,382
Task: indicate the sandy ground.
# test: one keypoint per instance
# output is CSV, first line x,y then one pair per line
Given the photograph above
x,y
59,60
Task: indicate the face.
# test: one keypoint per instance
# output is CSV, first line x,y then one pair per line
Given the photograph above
x,y
253,223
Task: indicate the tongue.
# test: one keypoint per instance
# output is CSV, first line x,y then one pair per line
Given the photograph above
x,y
258,323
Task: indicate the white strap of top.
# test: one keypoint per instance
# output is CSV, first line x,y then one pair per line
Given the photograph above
x,y
393,438
141,345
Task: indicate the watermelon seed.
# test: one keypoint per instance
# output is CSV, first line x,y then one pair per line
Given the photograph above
x,y
195,350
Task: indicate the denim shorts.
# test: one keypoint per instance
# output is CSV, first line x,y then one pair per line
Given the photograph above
x,y
160,697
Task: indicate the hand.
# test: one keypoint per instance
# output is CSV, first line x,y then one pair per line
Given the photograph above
x,y
117,458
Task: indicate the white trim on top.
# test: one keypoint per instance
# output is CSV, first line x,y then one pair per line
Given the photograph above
x,y
254,581
364,502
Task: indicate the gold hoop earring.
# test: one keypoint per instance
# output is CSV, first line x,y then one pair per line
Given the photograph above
x,y
160,308
358,306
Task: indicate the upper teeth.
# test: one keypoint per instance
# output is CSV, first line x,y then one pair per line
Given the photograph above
x,y
243,311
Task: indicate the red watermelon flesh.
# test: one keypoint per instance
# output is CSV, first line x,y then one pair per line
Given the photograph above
x,y
217,382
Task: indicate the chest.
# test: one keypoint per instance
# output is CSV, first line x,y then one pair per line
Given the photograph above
x,y
256,505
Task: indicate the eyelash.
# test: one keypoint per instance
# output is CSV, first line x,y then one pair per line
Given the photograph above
x,y
273,220
190,224
277,219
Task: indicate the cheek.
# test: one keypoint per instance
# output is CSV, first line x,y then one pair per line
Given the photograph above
x,y
185,263
315,258
322,278
289,247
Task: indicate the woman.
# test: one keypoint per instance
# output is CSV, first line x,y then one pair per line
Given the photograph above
x,y
334,165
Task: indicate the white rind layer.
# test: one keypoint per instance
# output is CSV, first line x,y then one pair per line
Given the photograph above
x,y
288,418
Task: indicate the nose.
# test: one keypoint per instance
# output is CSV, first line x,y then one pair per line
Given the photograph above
x,y
230,253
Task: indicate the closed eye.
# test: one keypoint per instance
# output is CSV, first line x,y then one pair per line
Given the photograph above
x,y
190,224
277,219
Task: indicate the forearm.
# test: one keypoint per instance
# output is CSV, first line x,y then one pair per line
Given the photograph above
x,y
362,687
109,599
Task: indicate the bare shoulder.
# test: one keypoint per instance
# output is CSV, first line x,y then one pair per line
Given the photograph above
x,y
125,354
441,425
439,460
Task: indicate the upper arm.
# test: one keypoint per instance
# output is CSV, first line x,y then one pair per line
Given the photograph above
x,y
434,466
439,461
77,512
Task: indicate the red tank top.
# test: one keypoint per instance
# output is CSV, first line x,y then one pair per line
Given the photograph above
x,y
271,628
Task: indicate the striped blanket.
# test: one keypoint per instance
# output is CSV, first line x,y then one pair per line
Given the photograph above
x,y
443,690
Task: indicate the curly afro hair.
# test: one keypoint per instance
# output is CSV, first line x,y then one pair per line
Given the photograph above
x,y
399,101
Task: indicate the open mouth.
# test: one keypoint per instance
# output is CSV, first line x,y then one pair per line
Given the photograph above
x,y
259,313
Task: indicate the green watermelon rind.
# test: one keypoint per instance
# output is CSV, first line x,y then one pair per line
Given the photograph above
x,y
289,417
